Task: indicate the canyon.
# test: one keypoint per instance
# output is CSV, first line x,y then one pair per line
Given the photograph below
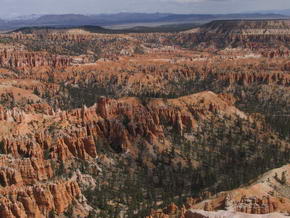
x,y
188,124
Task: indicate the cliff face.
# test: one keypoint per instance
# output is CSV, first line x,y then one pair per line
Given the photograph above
x,y
39,200
251,34
249,27
22,60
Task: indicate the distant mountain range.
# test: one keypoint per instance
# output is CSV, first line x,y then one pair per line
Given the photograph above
x,y
282,12
134,19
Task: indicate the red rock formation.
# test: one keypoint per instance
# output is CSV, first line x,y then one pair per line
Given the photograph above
x,y
24,171
38,200
21,60
38,139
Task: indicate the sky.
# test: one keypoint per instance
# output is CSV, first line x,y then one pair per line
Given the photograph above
x,y
9,8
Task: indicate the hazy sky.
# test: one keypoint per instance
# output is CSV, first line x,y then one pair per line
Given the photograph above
x,y
26,7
